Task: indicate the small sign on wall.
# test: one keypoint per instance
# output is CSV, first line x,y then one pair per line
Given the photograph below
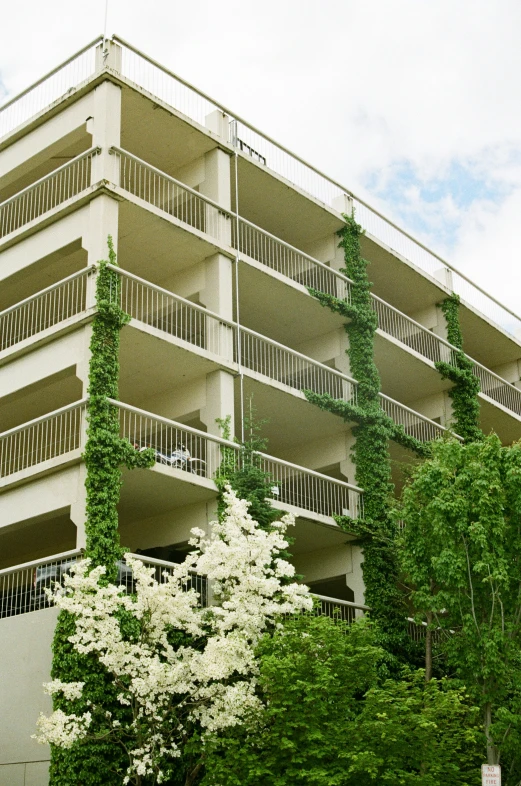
x,y
490,775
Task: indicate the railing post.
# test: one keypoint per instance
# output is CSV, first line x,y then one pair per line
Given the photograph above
x,y
343,204
105,128
90,288
108,55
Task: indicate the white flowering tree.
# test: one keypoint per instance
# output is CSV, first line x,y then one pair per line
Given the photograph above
x,y
210,679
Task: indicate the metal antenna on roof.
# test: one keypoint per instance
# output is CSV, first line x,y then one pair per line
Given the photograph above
x,y
105,49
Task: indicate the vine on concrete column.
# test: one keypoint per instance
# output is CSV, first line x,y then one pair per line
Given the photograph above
x,y
464,393
97,763
373,430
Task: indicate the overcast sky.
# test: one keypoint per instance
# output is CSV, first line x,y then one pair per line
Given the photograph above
x,y
413,104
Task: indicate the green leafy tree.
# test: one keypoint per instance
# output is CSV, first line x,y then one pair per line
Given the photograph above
x,y
462,554
328,721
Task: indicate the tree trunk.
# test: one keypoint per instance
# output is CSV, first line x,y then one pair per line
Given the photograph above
x,y
192,774
492,752
428,648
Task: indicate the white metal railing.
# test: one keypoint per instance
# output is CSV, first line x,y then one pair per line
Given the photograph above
x,y
175,316
22,587
252,143
404,244
411,333
42,439
254,242
193,451
304,488
340,610
46,308
163,569
183,203
173,197
497,388
264,151
61,80
54,189
285,365
414,424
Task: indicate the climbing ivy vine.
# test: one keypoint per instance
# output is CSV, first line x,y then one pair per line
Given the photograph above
x,y
372,432
464,393
97,763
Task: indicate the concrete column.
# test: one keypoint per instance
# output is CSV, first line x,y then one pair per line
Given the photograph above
x,y
108,55
355,578
217,186
219,401
343,204
440,329
342,362
347,465
103,221
105,127
78,510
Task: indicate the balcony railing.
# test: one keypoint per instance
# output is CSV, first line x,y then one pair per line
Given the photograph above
x,y
39,198
264,151
23,587
56,434
195,104
161,309
291,368
45,309
60,81
340,610
251,241
497,388
175,316
195,452
414,424
199,212
411,333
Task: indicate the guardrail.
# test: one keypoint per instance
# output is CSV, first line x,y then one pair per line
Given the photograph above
x,y
163,569
60,81
22,587
48,192
172,314
411,333
45,309
415,425
173,197
497,388
253,144
264,151
254,242
291,368
340,610
42,439
193,451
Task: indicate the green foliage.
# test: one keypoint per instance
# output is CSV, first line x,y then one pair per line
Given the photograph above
x,y
464,393
96,763
462,554
242,470
330,722
370,452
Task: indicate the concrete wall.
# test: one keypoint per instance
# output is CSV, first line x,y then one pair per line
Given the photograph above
x,y
25,655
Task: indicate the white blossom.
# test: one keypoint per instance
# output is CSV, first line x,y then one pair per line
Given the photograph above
x,y
167,686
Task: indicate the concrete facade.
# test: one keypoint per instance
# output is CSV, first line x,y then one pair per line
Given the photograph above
x,y
217,250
